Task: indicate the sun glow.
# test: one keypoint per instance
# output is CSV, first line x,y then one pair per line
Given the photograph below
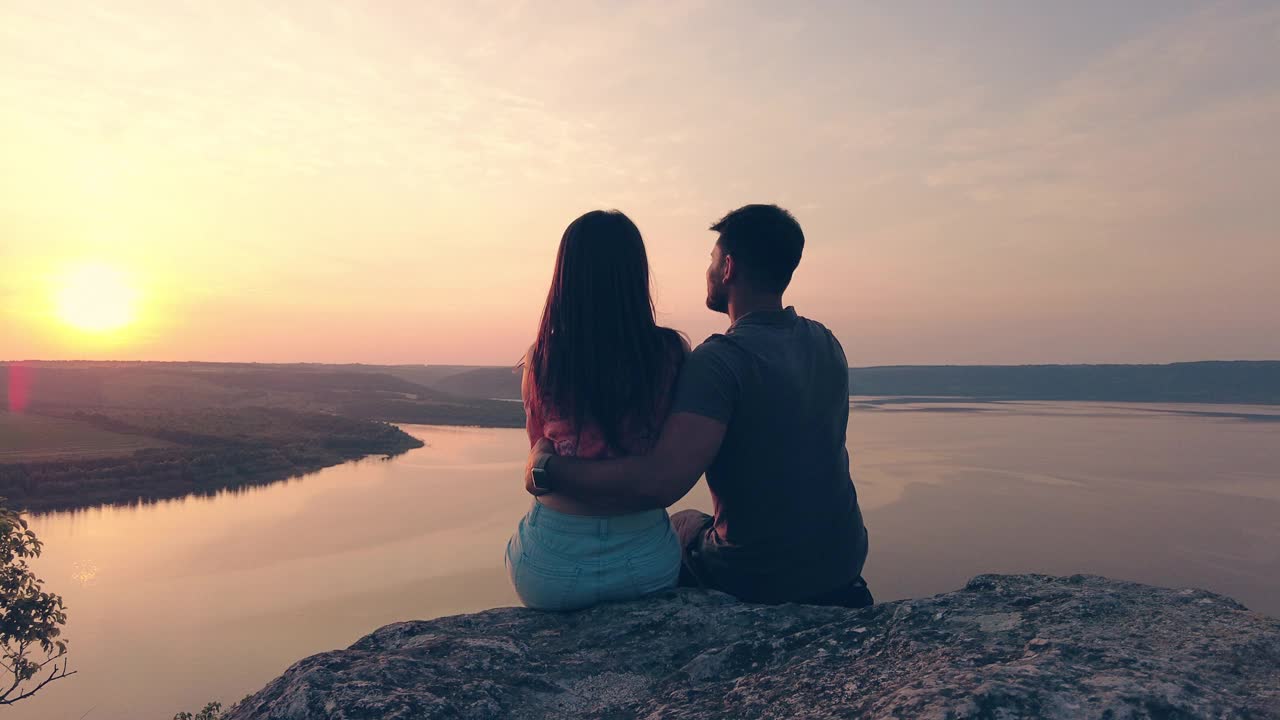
x,y
96,298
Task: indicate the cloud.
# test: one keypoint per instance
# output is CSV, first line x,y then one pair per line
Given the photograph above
x,y
1133,133
956,168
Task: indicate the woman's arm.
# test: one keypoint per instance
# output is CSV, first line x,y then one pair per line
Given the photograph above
x,y
532,408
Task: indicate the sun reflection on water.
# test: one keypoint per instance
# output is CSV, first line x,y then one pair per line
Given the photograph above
x,y
84,573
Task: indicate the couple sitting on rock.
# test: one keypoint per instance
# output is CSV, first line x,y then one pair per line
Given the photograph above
x,y
624,418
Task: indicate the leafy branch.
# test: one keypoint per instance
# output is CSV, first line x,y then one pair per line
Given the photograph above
x,y
31,619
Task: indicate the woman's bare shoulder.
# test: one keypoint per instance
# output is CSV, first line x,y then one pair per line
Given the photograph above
x,y
679,341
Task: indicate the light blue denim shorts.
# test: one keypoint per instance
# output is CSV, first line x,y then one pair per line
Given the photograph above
x,y
566,562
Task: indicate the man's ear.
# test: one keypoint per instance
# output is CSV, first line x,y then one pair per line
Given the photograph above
x,y
728,272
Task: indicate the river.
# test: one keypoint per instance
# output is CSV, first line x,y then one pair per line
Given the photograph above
x,y
179,602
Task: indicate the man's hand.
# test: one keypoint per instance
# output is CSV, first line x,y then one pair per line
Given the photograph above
x,y
686,448
542,447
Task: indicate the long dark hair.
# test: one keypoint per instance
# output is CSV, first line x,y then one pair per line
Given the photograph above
x,y
600,356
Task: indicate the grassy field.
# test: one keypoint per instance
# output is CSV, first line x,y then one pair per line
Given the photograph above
x,y
364,392
36,438
91,433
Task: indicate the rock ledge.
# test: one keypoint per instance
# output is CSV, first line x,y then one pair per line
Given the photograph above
x,y
1005,646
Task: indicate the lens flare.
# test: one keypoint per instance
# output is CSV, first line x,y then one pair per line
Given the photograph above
x,y
19,387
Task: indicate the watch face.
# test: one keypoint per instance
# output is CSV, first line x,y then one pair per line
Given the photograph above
x,y
540,479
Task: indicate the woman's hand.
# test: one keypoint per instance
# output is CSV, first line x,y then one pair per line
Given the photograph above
x,y
542,447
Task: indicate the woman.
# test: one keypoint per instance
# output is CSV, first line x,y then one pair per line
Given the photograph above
x,y
597,383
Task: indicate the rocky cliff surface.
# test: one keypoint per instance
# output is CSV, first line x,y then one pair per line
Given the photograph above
x,y
1022,646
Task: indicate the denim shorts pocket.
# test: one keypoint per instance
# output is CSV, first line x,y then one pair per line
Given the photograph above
x,y
657,568
547,583
557,548
651,542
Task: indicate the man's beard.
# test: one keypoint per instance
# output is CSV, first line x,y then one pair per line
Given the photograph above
x,y
718,300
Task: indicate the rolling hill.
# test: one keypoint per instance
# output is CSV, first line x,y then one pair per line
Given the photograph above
x,y
1192,382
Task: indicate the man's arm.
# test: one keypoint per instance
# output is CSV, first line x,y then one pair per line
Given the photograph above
x,y
688,444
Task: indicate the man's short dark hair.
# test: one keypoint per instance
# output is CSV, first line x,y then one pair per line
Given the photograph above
x,y
765,241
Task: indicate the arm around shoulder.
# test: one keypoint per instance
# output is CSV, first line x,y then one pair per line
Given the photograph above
x,y
686,448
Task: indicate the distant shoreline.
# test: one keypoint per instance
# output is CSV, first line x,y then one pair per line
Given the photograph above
x,y
1252,382
117,432
461,394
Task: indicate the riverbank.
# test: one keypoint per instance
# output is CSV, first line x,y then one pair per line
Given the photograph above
x,y
183,453
78,434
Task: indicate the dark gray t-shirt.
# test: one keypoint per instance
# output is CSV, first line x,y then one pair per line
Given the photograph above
x,y
787,522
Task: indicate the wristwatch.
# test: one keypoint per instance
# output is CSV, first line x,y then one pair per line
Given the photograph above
x,y
542,478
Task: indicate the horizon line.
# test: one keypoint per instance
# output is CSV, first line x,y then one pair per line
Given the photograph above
x,y
484,366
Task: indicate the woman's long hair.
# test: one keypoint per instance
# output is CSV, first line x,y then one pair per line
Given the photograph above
x,y
600,356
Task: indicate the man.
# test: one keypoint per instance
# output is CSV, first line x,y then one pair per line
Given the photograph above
x,y
762,410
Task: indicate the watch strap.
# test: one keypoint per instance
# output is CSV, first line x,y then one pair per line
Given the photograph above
x,y
542,478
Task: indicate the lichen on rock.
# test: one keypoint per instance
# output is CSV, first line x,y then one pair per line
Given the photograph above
x,y
1014,646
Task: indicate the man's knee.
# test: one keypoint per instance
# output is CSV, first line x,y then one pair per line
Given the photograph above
x,y
690,526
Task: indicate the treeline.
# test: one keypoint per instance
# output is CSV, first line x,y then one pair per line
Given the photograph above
x,y
243,426
484,382
293,379
1195,382
215,450
479,412
66,387
427,394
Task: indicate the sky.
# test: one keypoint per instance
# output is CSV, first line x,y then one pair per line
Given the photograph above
x,y
984,182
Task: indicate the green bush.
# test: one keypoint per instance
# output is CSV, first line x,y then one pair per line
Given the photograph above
x,y
31,619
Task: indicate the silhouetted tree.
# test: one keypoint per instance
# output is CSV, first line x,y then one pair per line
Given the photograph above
x,y
31,619
212,711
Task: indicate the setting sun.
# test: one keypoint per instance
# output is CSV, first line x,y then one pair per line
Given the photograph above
x,y
96,298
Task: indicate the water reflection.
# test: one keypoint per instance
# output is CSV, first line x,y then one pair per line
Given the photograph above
x,y
182,601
